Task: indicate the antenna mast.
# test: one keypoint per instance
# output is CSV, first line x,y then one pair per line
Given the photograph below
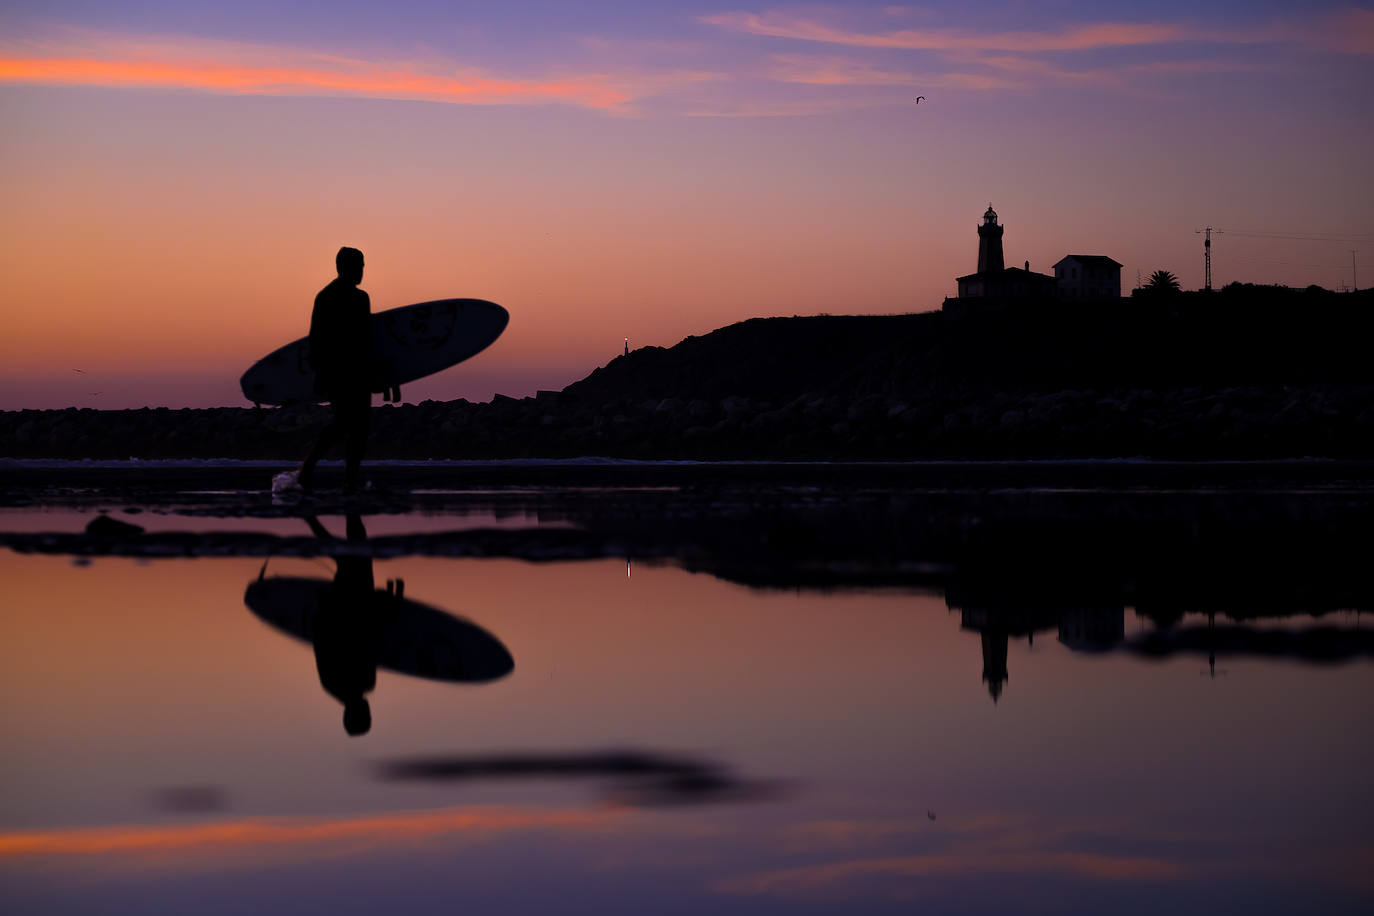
x,y
1207,257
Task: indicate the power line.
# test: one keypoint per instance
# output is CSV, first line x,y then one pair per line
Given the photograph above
x,y
1313,264
1306,237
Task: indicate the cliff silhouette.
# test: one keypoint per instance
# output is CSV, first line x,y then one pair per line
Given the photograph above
x,y
1241,335
1245,372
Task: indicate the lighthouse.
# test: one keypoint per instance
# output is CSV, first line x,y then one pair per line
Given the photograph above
x,y
990,243
995,281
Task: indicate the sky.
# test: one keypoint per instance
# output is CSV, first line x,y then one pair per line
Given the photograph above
x,y
175,177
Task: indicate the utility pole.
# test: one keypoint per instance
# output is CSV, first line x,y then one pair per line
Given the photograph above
x,y
1354,280
1207,256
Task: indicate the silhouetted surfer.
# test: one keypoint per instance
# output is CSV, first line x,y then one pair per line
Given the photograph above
x,y
341,355
347,627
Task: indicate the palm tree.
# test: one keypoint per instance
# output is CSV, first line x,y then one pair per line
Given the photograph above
x,y
1162,283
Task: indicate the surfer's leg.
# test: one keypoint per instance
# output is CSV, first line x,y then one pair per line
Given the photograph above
x,y
357,417
328,437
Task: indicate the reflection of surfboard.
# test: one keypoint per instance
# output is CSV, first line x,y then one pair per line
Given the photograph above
x,y
408,343
413,638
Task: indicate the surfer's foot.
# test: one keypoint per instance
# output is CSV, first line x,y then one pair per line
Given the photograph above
x,y
357,489
289,482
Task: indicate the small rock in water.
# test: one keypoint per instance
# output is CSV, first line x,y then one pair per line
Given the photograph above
x,y
287,482
104,526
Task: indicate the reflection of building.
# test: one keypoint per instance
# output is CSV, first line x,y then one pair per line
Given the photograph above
x,y
1088,276
1090,629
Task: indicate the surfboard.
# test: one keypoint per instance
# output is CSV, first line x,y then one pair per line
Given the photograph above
x,y
408,343
412,638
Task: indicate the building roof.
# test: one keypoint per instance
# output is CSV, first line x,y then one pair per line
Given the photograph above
x,y
1010,273
1089,260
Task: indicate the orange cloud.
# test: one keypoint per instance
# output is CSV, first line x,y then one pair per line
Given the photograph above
x,y
383,81
1078,38
254,832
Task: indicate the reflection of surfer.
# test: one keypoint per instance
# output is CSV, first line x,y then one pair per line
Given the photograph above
x,y
348,624
341,355
356,628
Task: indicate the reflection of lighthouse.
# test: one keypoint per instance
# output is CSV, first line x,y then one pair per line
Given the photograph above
x,y
995,661
998,614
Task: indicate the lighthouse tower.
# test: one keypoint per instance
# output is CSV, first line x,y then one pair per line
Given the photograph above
x,y
990,243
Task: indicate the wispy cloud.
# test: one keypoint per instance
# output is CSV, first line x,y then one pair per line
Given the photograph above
x,y
813,70
1348,31
834,71
1344,32
1115,56
1076,38
743,106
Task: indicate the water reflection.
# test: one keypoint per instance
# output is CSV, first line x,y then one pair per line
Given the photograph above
x,y
998,617
1114,779
355,627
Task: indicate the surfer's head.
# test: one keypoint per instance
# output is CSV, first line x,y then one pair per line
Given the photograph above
x,y
357,717
349,262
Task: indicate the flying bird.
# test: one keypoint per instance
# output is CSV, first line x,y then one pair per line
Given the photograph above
x,y
918,99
